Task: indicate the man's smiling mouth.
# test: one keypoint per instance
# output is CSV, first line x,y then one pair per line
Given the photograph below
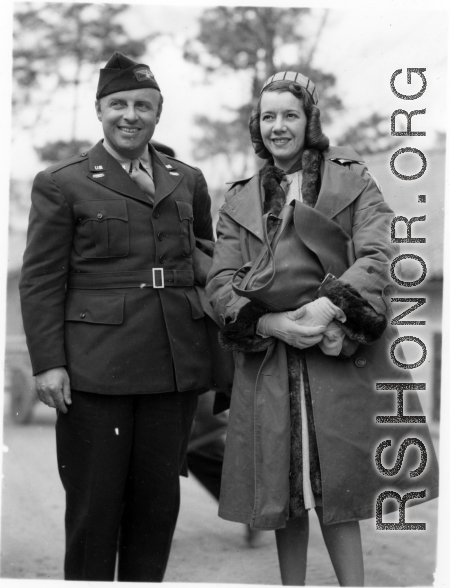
x,y
130,130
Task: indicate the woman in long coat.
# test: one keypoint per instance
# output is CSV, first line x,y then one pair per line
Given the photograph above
x,y
280,460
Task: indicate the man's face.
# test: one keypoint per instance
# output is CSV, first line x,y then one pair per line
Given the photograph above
x,y
129,119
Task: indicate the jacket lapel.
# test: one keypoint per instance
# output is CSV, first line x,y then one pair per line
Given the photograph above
x,y
108,172
166,175
246,207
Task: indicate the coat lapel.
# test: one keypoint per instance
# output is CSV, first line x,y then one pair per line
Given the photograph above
x,y
339,188
324,237
246,207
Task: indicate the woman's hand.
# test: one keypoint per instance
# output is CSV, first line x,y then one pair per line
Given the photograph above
x,y
333,339
288,327
321,312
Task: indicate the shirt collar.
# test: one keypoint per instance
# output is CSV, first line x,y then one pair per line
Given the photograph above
x,y
144,158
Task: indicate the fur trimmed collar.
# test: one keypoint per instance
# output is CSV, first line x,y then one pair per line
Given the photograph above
x,y
271,177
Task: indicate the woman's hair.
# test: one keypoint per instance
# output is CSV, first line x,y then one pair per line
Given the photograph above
x,y
314,137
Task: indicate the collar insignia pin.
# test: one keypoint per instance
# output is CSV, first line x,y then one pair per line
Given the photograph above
x,y
174,174
169,166
98,175
98,166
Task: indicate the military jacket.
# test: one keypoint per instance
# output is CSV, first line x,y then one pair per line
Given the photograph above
x,y
96,249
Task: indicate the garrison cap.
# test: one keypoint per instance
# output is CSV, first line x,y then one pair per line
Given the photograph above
x,y
122,73
297,78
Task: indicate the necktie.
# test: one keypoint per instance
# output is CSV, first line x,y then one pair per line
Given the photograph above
x,y
142,179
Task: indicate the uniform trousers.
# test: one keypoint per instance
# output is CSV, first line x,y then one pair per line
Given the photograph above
x,y
119,459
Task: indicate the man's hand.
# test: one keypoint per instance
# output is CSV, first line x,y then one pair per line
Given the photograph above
x,y
53,388
287,327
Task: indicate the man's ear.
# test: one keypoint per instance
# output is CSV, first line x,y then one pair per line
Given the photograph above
x,y
160,107
98,110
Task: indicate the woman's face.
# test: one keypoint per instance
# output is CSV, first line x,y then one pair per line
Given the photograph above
x,y
283,124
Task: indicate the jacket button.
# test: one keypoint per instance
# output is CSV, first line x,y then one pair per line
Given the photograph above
x,y
162,259
160,236
99,215
156,215
82,315
360,362
370,270
388,290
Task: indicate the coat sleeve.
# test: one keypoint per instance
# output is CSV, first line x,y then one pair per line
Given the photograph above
x,y
202,256
363,291
237,314
44,273
202,210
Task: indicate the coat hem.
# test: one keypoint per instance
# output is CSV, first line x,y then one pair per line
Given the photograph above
x,y
245,518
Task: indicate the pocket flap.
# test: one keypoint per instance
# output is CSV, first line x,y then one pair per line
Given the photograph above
x,y
102,309
100,210
185,211
196,306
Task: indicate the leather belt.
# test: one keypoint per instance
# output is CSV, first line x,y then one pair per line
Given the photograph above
x,y
154,278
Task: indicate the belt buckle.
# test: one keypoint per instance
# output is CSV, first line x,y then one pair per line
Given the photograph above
x,y
160,272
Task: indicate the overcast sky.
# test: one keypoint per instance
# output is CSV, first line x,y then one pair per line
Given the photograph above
x,y
362,48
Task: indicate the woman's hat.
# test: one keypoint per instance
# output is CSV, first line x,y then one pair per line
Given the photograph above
x,y
122,73
293,76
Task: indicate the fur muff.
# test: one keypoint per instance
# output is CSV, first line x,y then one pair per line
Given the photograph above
x,y
239,335
363,323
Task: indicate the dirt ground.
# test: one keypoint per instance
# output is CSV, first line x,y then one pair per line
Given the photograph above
x,y
206,549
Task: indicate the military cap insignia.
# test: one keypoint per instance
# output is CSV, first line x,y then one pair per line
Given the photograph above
x,y
142,74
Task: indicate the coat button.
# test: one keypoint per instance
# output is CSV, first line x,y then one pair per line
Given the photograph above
x,y
388,290
156,215
99,215
360,362
162,259
82,315
160,236
370,270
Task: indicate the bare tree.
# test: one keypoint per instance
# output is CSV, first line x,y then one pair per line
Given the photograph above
x,y
248,39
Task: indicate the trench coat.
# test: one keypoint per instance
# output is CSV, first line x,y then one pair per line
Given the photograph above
x,y
345,399
87,295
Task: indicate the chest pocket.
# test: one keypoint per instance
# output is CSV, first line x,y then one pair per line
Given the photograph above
x,y
102,229
186,216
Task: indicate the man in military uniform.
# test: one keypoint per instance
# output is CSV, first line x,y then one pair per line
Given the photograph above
x,y
115,329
